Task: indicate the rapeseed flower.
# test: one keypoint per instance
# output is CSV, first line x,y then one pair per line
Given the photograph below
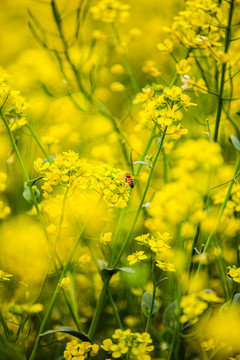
x,y
110,11
136,257
67,170
80,350
4,276
234,273
127,342
106,238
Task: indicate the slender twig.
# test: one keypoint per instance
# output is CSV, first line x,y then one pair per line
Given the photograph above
x,y
224,65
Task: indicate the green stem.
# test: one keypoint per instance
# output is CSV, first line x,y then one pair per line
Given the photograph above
x,y
224,65
103,293
221,268
153,296
206,247
135,85
145,150
38,142
46,317
54,297
119,322
102,109
142,200
99,307
165,167
233,122
123,212
194,244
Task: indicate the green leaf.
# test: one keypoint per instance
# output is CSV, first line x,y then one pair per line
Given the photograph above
x,y
111,272
32,182
143,163
28,195
170,316
235,142
70,331
127,270
102,264
146,305
236,299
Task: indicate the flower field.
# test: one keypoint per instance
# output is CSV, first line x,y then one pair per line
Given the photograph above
x,y
120,180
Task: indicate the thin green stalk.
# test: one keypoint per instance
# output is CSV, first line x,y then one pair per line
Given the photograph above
x,y
116,235
233,122
224,66
54,297
153,296
119,322
145,150
106,280
142,200
206,247
99,307
123,212
135,85
165,167
222,266
47,315
38,142
102,109
194,245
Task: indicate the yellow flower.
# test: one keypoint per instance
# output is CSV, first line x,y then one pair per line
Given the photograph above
x,y
106,238
76,350
110,11
142,239
107,344
235,274
136,257
135,344
165,265
117,69
3,178
32,309
208,344
4,276
117,86
65,283
166,46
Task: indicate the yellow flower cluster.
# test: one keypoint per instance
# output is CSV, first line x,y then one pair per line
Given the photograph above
x,y
199,25
110,11
234,273
4,210
194,305
136,257
76,350
158,245
162,109
69,171
195,161
106,238
13,105
135,345
175,204
4,276
3,179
